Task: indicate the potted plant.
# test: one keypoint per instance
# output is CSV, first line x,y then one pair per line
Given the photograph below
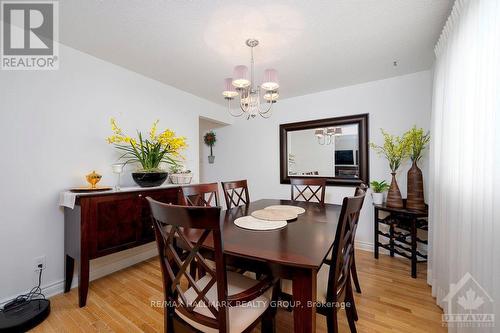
x,y
149,153
417,142
179,175
378,189
210,140
395,150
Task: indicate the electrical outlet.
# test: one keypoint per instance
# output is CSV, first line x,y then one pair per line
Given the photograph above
x,y
39,261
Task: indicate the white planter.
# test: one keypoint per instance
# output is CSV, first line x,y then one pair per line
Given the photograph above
x,y
181,178
378,198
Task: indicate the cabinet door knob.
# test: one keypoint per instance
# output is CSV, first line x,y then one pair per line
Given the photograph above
x,y
140,195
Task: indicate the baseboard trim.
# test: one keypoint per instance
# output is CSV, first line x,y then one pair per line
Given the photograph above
x,y
97,271
365,246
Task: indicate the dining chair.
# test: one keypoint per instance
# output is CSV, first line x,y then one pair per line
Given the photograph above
x,y
201,195
308,189
236,193
220,301
361,189
334,277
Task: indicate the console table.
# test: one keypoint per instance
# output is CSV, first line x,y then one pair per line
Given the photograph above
x,y
107,222
402,237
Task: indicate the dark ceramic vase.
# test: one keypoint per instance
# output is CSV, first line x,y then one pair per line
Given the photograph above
x,y
415,188
394,198
149,179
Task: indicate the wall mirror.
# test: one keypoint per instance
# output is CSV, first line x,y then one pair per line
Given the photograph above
x,y
333,148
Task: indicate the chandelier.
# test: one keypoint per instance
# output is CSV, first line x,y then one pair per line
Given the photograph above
x,y
253,99
325,136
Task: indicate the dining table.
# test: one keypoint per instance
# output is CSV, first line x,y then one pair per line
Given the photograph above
x,y
295,252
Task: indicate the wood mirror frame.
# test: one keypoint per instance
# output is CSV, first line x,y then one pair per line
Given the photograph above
x,y
361,120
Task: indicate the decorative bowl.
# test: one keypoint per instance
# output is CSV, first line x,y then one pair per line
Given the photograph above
x,y
149,179
93,178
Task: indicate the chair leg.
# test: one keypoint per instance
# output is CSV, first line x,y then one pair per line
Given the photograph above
x,y
268,321
168,324
354,275
350,318
331,321
352,315
350,299
269,317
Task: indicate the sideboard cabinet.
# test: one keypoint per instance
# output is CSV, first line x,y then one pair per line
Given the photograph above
x,y
105,223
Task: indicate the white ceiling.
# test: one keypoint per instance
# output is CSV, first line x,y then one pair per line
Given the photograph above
x,y
315,45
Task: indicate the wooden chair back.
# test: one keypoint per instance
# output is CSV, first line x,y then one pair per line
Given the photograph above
x,y
308,189
343,249
236,193
170,222
200,195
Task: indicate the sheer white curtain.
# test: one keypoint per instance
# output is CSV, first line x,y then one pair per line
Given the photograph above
x,y
465,153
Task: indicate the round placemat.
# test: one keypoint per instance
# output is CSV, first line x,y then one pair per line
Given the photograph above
x,y
251,223
294,209
274,214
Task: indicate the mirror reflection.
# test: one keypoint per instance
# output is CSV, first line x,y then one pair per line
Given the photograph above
x,y
324,152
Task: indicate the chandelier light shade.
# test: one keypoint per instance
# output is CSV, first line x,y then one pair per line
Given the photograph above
x,y
319,133
330,131
270,81
240,75
271,96
253,99
229,90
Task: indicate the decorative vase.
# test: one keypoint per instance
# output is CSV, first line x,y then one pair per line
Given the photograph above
x,y
394,198
149,179
378,198
211,159
415,180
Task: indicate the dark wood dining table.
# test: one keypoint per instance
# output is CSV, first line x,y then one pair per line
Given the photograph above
x,y
295,252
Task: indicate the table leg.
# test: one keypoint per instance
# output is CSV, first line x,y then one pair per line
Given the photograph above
x,y
304,295
375,222
83,282
69,268
391,240
413,248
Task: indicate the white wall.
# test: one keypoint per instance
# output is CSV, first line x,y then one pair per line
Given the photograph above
x,y
250,149
53,126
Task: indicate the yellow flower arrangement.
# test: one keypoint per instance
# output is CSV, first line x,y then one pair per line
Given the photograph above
x,y
164,147
395,149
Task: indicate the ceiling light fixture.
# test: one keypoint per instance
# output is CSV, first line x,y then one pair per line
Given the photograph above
x,y
326,136
253,99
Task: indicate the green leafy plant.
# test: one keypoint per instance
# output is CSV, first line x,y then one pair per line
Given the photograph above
x,y
178,169
395,149
417,141
379,187
210,139
148,152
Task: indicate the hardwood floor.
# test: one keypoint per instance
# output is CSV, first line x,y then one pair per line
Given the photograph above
x,y
391,301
